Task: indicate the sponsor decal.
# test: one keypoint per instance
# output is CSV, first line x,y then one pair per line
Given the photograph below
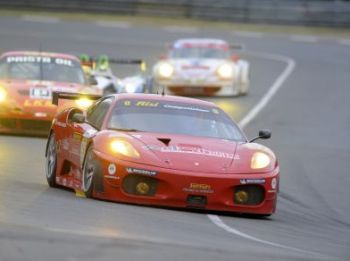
x,y
147,104
190,150
111,177
127,103
65,144
40,93
38,103
252,181
141,171
188,108
40,114
112,169
38,59
198,188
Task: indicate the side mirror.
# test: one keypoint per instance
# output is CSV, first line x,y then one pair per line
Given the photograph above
x,y
263,134
78,117
92,80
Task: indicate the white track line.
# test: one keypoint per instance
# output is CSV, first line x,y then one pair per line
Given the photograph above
x,y
274,87
217,221
180,29
248,118
114,24
304,38
40,19
248,34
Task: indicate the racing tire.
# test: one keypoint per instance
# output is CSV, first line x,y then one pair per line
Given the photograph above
x,y
92,178
51,161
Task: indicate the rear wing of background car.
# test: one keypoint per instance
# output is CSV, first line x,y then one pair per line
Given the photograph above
x,y
93,62
236,46
56,96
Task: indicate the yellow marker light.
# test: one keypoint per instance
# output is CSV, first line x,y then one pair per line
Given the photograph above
x,y
143,66
225,71
124,148
84,103
241,197
3,95
166,70
142,188
260,160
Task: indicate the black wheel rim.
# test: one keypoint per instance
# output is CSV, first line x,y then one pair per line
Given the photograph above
x,y
51,158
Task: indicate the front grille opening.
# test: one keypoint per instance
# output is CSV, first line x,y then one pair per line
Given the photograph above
x,y
248,195
140,185
196,201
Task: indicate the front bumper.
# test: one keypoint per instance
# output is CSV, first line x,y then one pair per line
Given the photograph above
x,y
20,120
199,86
184,189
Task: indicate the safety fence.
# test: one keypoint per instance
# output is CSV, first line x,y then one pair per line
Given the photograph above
x,y
295,12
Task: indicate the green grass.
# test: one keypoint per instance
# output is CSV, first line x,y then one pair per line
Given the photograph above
x,y
164,21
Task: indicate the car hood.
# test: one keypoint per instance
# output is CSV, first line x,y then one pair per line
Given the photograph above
x,y
189,153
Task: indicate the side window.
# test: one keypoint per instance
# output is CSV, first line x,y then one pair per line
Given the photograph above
x,y
96,114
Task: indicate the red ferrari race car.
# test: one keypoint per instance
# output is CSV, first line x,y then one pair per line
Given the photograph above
x,y
27,80
161,150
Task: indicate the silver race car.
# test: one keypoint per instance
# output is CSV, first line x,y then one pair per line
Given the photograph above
x,y
201,67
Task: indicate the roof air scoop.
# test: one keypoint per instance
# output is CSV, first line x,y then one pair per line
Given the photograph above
x,y
166,141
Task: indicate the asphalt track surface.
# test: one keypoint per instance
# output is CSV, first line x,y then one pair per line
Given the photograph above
x,y
310,120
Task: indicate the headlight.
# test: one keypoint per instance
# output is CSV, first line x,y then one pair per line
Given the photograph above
x,y
130,88
260,160
165,70
84,103
3,95
225,71
124,148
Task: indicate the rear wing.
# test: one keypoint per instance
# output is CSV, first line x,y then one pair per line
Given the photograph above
x,y
56,96
140,62
92,61
237,47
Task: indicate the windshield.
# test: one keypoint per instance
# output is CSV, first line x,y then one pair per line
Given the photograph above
x,y
44,68
200,52
173,118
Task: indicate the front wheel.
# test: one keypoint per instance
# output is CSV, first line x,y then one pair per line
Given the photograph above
x,y
51,161
89,172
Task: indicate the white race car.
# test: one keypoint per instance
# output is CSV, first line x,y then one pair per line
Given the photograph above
x,y
201,67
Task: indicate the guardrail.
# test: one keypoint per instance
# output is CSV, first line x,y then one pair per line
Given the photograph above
x,y
297,12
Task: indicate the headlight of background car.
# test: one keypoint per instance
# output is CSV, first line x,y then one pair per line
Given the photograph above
x,y
260,160
3,94
165,70
124,148
130,88
84,103
225,71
